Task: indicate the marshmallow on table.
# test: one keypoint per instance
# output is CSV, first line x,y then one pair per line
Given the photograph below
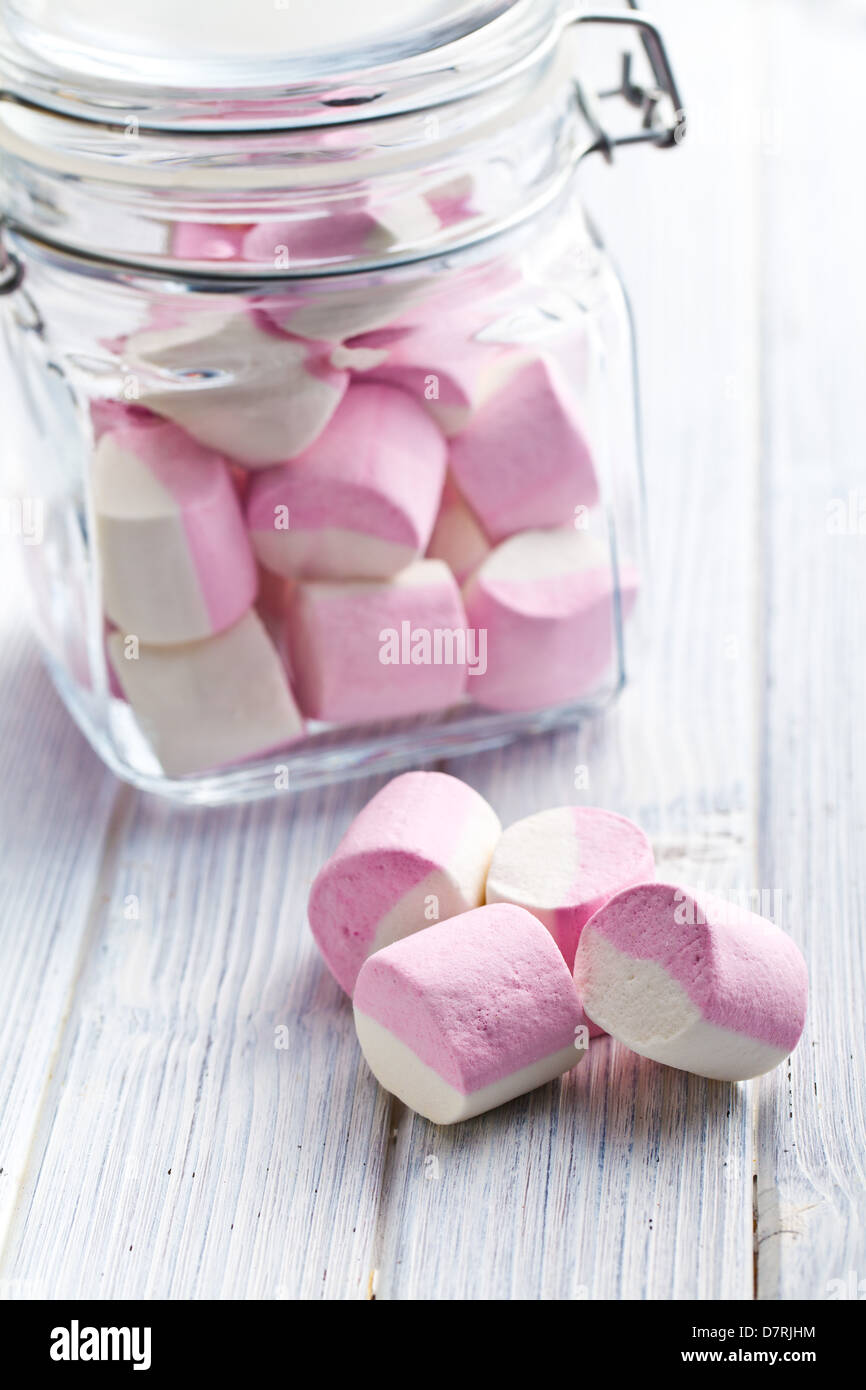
x,y
691,980
564,864
379,649
468,1014
546,600
416,854
457,536
175,559
361,501
238,384
523,461
207,704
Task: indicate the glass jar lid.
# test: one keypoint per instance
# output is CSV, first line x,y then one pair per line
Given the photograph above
x,y
195,42
268,63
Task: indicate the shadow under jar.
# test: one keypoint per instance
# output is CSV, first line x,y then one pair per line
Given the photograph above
x,y
322,384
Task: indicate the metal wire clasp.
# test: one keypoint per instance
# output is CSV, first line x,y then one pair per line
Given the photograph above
x,y
11,270
656,127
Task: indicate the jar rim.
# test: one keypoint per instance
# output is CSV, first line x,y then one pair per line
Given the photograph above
x,y
415,71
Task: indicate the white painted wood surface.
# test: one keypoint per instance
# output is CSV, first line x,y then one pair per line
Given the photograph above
x,y
156,1141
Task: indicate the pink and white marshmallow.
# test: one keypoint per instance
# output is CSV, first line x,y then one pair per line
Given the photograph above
x,y
379,649
548,604
238,384
523,460
343,310
564,864
350,231
209,241
175,560
444,367
693,981
469,1014
360,503
416,854
457,535
208,704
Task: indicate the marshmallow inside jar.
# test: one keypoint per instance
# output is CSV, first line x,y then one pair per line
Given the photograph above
x,y
523,459
175,561
551,606
692,980
469,1015
210,704
379,649
360,502
417,853
237,383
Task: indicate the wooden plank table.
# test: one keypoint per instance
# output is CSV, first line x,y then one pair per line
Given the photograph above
x,y
183,1109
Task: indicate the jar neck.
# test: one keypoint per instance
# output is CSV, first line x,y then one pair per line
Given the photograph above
x,y
347,195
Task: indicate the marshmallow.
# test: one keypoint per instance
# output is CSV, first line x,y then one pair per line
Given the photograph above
x,y
457,537
209,241
361,501
349,232
175,559
238,385
445,368
546,601
563,865
693,981
343,310
522,460
416,854
469,1014
207,704
379,650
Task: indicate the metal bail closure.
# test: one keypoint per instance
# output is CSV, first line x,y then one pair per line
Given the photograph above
x,y
11,269
656,128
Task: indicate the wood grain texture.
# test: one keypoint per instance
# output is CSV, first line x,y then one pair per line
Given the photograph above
x,y
49,874
183,1108
812,1118
188,1147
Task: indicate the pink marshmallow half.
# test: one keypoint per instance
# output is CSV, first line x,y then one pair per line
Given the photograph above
x,y
564,864
442,366
350,231
209,241
361,501
417,854
175,559
379,649
469,1014
237,384
547,602
523,460
691,980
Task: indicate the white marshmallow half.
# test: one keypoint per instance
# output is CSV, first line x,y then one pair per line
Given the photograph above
x,y
204,705
256,395
642,1005
397,1068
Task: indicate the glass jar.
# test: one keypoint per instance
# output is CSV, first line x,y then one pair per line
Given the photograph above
x,y
323,412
